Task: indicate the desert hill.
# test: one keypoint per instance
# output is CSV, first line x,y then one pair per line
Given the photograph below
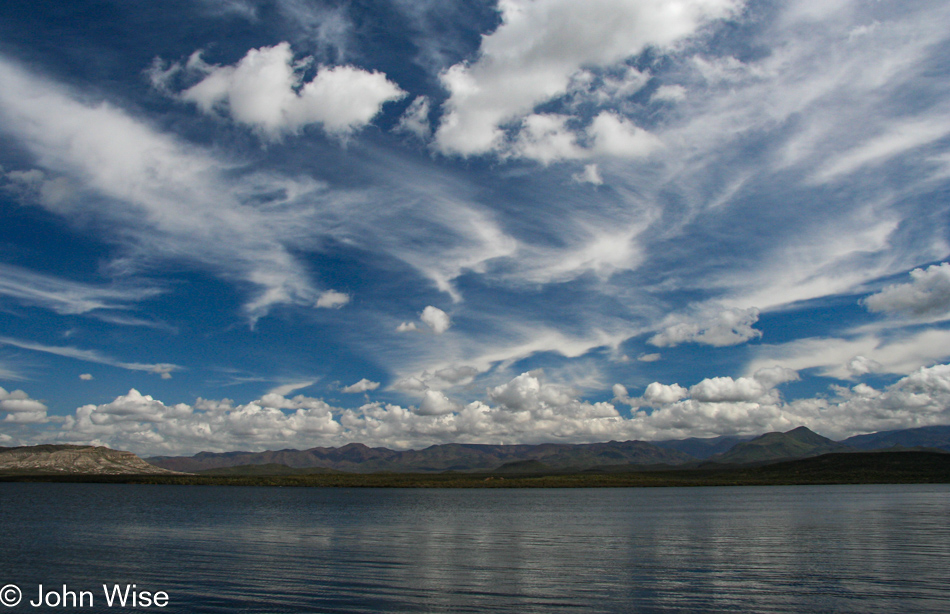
x,y
71,459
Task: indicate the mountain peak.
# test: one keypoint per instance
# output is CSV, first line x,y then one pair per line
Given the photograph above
x,y
799,442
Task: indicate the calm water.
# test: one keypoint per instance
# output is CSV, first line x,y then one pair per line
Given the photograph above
x,y
229,549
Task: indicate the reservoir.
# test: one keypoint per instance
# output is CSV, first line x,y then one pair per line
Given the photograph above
x,y
861,548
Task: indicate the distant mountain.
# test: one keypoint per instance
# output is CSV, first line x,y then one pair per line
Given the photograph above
x,y
556,457
702,448
797,443
447,457
69,459
923,437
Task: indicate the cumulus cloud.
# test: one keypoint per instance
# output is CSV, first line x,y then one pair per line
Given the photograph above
x,y
266,90
332,299
141,422
20,408
862,365
662,394
456,374
546,138
86,377
728,327
439,379
720,389
436,319
527,409
435,403
364,385
533,55
614,135
926,296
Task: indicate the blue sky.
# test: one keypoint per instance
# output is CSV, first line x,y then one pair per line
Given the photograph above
x,y
251,225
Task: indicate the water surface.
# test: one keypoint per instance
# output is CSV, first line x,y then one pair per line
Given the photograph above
x,y
257,549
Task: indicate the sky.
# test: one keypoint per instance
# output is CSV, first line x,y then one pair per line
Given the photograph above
x,y
249,225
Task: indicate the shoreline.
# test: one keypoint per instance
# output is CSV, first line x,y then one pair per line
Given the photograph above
x,y
910,467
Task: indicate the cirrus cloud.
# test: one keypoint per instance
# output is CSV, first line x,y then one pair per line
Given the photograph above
x,y
539,46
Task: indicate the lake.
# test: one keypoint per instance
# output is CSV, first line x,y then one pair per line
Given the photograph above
x,y
257,549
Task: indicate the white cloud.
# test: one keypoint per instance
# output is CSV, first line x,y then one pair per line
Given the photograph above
x,y
662,394
728,327
527,409
163,369
532,56
720,389
64,296
441,379
846,358
546,138
20,408
669,93
285,389
414,385
364,385
612,88
169,199
455,375
332,299
895,141
435,403
436,319
415,120
266,90
649,357
927,295
86,377
614,135
590,174
862,365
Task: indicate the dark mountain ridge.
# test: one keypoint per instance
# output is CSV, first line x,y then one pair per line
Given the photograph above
x,y
795,444
446,457
921,437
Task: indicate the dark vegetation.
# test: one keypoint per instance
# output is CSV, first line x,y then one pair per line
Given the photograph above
x,y
888,467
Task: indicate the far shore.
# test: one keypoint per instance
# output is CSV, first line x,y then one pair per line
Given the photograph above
x,y
910,467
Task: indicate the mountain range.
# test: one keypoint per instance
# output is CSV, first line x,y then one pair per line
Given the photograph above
x,y
770,447
548,458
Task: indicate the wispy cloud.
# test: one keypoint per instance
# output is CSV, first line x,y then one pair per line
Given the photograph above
x,y
163,369
68,297
168,200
